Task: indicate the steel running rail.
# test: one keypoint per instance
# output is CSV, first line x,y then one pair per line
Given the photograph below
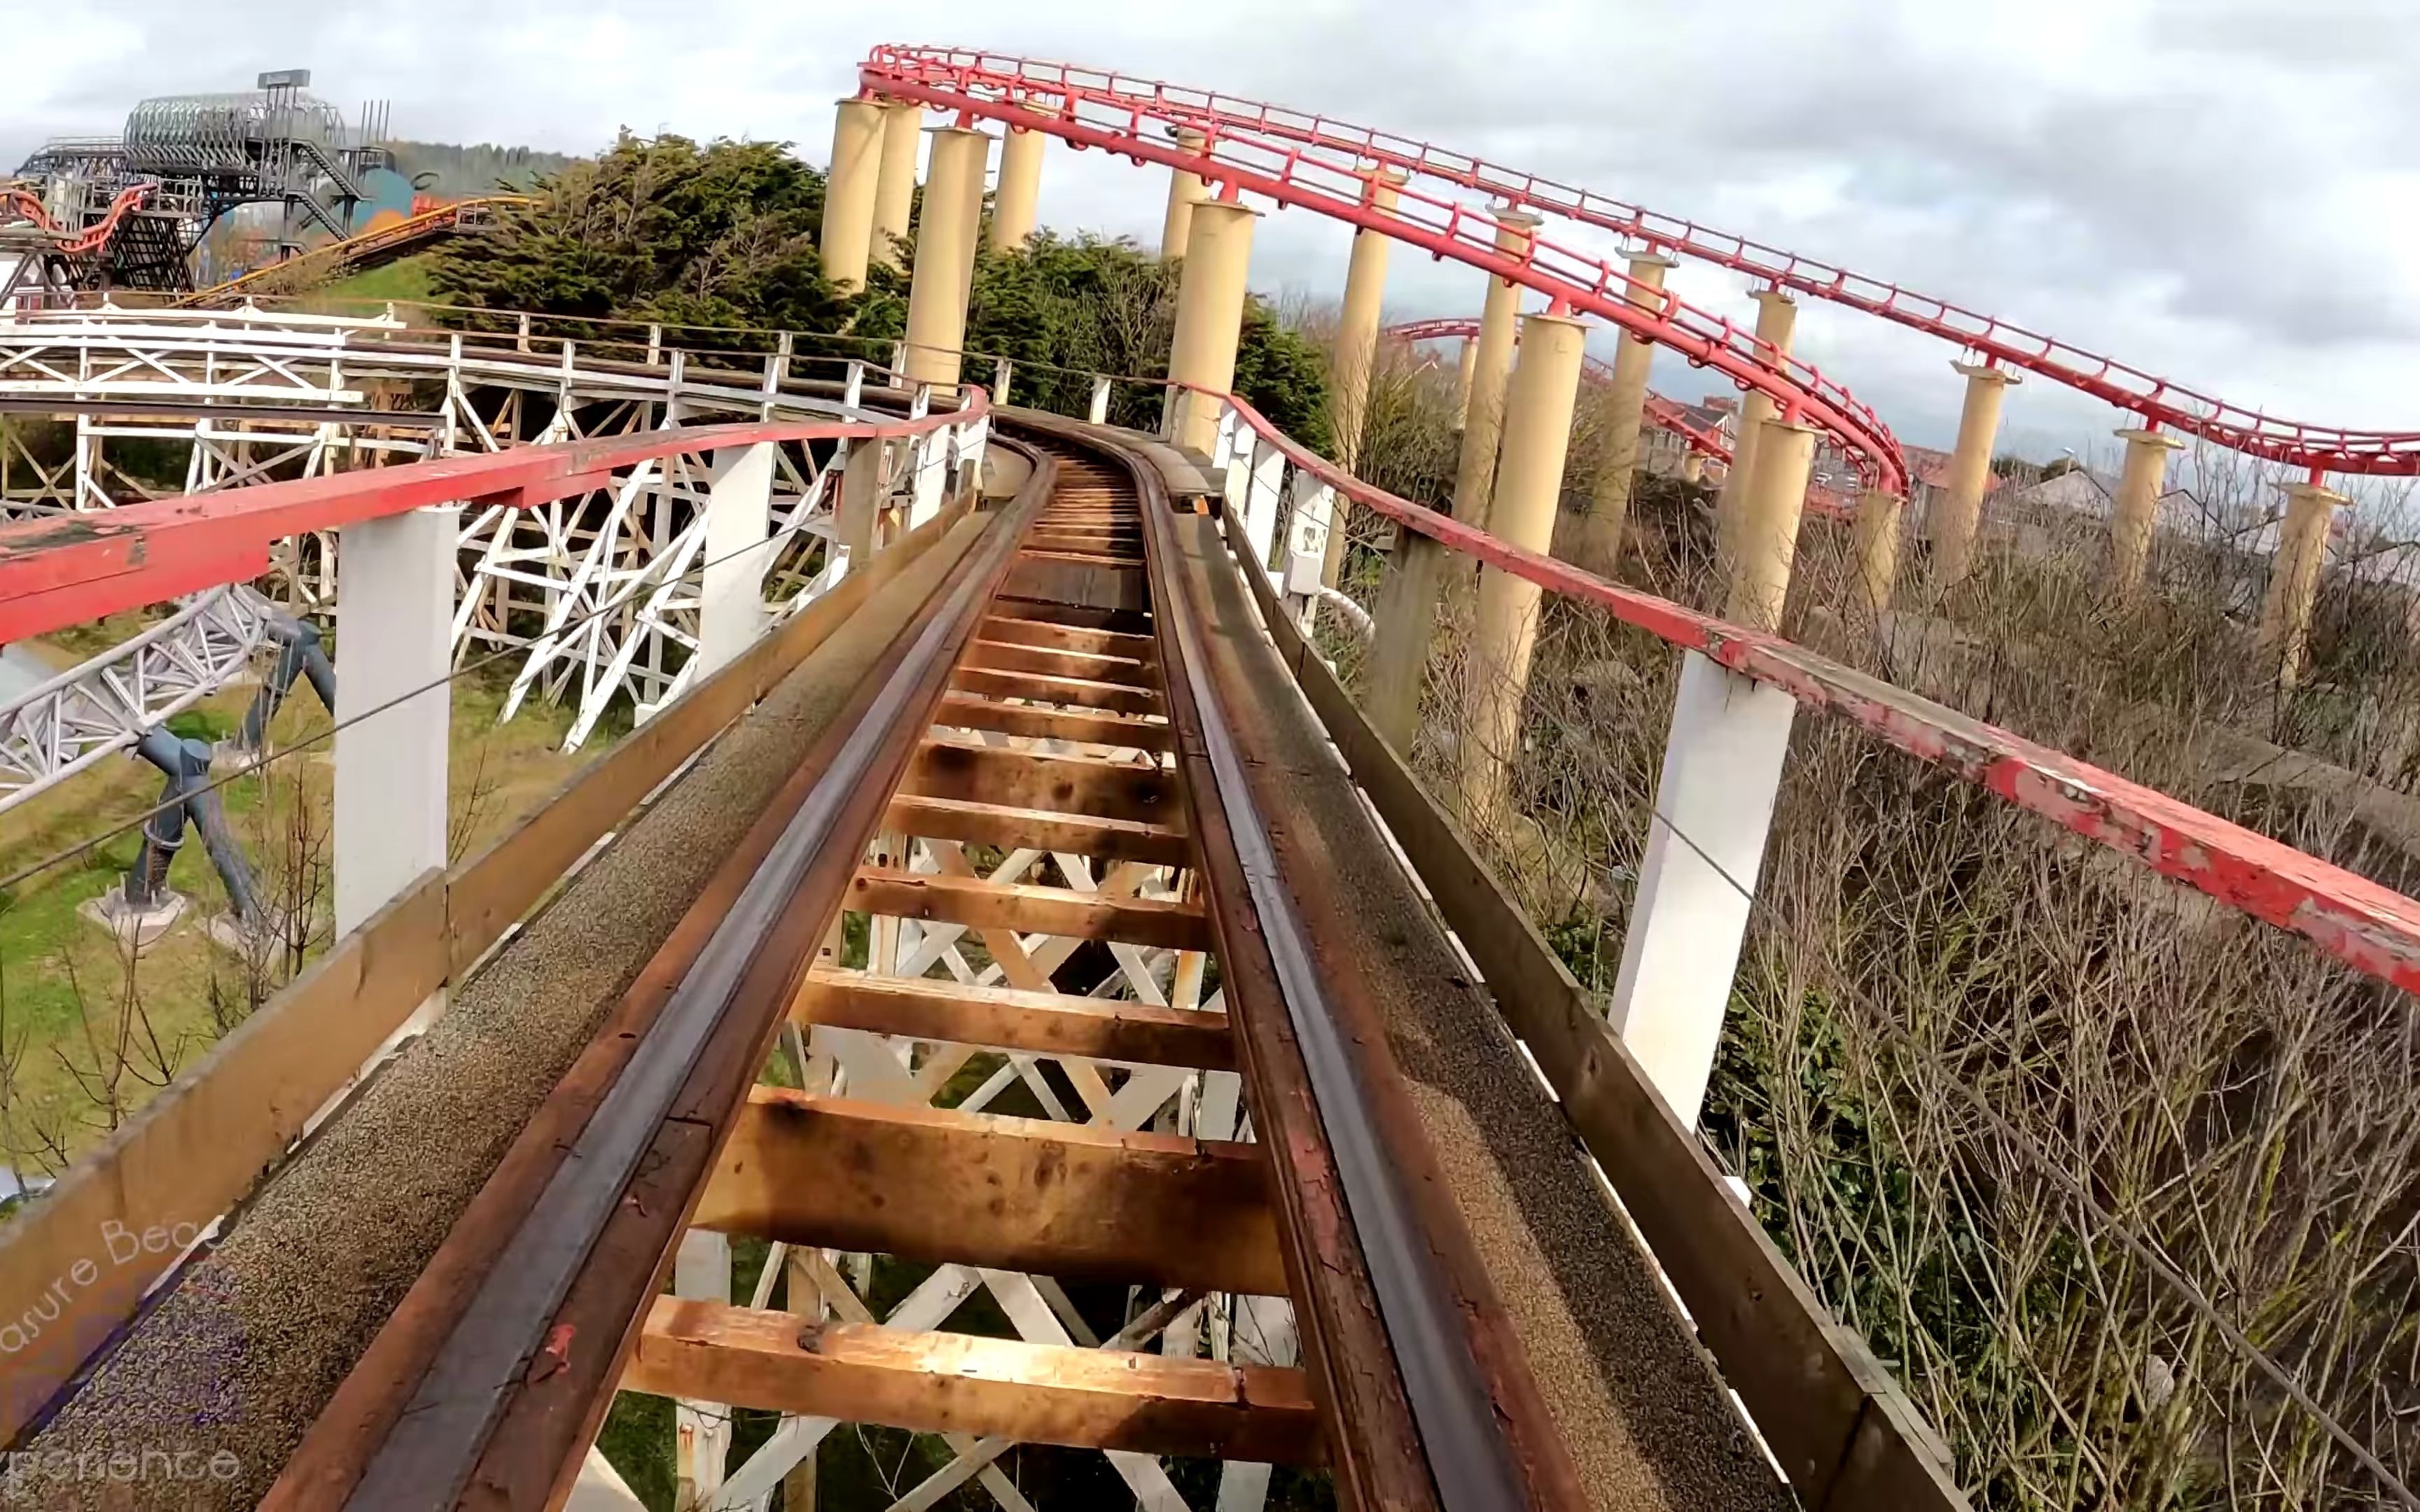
x,y
353,249
2373,929
1662,412
1136,119
2155,399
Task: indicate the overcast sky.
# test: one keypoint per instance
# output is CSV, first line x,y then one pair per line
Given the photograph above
x,y
2224,192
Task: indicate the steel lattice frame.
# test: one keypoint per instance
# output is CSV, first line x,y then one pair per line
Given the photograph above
x,y
70,722
597,593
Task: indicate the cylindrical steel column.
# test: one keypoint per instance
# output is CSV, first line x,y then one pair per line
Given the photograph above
x,y
1766,540
1625,404
1357,346
945,249
1776,321
850,193
2294,577
1185,191
1014,207
1407,617
1958,515
1528,482
1482,425
1464,366
895,191
1209,316
2132,513
1874,544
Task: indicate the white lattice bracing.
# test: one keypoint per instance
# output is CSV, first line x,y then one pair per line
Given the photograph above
x,y
595,597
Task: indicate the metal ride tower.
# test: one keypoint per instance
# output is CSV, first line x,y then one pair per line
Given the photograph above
x,y
128,212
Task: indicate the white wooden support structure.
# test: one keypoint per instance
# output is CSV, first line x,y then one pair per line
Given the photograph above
x,y
1263,492
394,632
1098,411
853,388
738,519
1000,372
702,1430
1310,521
1705,845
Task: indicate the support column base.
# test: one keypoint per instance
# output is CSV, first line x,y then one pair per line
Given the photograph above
x,y
137,927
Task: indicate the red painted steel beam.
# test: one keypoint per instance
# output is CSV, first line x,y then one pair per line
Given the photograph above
x,y
1663,412
68,569
1137,121
91,238
2155,400
2372,929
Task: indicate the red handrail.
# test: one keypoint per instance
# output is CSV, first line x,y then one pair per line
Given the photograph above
x,y
2372,929
1128,117
2155,399
69,569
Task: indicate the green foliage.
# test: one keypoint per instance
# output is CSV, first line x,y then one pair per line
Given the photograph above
x,y
477,169
661,229
726,235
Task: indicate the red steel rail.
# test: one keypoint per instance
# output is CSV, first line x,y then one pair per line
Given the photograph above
x,y
1137,120
2155,399
24,206
1662,412
2370,928
68,569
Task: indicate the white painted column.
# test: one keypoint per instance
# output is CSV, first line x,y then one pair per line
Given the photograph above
x,y
1261,503
738,516
1310,526
395,617
1722,770
1097,412
701,1431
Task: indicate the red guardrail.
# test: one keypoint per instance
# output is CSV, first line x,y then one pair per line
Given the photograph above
x,y
68,569
2370,928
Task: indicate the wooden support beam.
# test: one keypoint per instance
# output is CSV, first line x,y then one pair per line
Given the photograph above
x,y
1076,692
1069,638
966,710
1010,828
957,1384
1029,779
1093,665
1177,926
1049,1023
934,1184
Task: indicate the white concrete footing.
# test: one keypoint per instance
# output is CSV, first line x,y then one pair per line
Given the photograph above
x,y
394,616
1722,771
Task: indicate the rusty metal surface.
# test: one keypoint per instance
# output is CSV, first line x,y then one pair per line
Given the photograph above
x,y
507,1337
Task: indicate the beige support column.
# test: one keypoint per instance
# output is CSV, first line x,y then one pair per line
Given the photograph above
x,y
945,249
2133,512
1776,321
1625,404
849,191
2294,577
1356,322
1407,617
1185,191
1465,368
1874,542
1482,425
1209,316
1016,204
1767,538
1528,482
1356,346
1956,517
894,191
1693,466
